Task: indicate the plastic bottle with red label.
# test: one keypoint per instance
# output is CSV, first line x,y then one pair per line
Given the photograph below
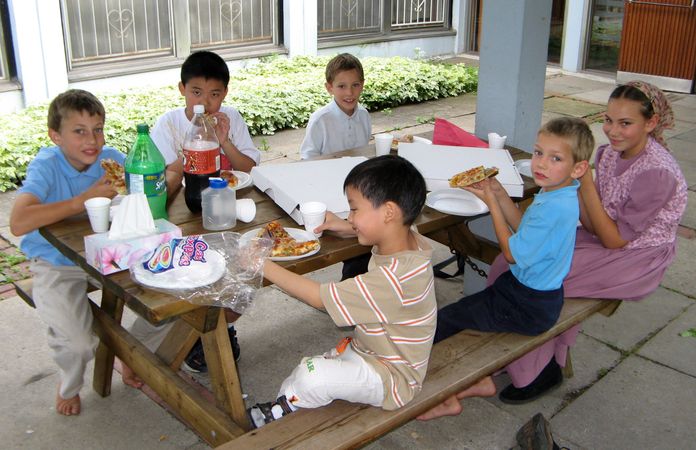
x,y
201,151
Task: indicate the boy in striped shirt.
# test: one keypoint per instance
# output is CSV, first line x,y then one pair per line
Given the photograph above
x,y
392,306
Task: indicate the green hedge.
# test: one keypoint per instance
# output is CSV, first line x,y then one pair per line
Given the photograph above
x,y
275,94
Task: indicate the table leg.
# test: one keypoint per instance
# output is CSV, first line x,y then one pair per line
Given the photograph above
x,y
177,344
223,372
104,357
212,423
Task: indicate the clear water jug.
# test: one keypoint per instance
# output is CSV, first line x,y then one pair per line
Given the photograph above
x,y
219,203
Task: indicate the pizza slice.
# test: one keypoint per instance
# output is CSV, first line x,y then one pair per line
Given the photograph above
x,y
231,178
405,138
472,176
283,243
115,175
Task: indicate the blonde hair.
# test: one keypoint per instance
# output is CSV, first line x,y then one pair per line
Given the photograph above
x,y
576,132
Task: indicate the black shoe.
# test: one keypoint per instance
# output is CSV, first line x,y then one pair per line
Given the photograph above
x,y
195,361
549,378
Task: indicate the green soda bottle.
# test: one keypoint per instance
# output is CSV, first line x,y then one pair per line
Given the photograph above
x,y
144,169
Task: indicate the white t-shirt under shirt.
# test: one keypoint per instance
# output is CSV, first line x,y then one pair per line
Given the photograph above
x,y
330,130
170,129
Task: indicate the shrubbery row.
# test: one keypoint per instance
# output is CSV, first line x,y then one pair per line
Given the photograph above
x,y
274,94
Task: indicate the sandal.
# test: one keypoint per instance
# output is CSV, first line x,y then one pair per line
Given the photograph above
x,y
262,413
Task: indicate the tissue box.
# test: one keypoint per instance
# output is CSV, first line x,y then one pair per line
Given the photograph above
x,y
110,256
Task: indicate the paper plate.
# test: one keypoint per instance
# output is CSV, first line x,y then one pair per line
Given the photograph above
x,y
422,140
244,179
297,233
457,202
196,275
524,167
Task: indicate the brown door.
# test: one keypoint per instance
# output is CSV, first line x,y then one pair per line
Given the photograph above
x,y
658,43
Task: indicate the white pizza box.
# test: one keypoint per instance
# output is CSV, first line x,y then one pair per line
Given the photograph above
x,y
294,183
438,163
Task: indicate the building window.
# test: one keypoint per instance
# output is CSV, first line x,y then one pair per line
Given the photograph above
x,y
343,18
5,73
111,31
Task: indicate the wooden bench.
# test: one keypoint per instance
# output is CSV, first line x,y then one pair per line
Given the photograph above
x,y
455,364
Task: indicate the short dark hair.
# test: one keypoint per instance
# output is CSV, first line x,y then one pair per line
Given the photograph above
x,y
342,63
633,93
73,100
205,64
390,178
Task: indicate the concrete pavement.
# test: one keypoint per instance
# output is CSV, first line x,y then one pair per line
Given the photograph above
x,y
634,382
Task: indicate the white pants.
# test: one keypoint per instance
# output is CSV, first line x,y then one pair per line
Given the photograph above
x,y
319,380
60,296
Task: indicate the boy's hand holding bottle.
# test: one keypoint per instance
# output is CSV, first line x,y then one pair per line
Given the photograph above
x,y
222,126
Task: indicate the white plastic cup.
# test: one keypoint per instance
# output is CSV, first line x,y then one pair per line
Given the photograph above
x,y
98,212
383,142
246,210
313,215
496,141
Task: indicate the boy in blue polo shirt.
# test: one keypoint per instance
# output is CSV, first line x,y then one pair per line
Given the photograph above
x,y
58,182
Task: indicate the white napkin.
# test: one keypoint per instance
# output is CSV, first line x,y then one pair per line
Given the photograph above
x,y
132,218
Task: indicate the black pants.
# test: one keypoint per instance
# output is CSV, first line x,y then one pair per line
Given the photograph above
x,y
507,305
355,266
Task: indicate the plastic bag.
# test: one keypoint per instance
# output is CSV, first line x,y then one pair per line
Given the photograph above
x,y
211,269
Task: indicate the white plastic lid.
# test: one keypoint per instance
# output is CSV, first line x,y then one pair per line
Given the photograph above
x,y
198,109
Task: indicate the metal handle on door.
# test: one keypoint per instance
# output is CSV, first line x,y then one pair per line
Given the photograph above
x,y
663,4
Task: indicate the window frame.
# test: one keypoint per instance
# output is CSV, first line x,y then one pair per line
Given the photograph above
x,y
181,47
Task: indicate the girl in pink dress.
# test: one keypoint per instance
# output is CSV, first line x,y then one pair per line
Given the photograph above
x,y
629,217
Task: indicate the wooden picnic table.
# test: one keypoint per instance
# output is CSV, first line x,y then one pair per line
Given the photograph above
x,y
226,419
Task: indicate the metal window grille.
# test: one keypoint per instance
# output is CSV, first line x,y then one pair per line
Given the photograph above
x,y
98,30
103,31
4,72
350,17
226,23
418,13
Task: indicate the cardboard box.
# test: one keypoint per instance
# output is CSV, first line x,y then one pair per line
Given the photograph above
x,y
321,180
438,163
110,256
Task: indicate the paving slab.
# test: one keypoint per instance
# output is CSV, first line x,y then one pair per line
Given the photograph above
x,y
599,96
562,85
636,320
688,136
685,110
29,378
571,107
680,275
590,358
639,405
671,349
689,217
480,426
6,201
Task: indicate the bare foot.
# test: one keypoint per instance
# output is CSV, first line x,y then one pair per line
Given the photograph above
x,y
68,406
130,378
451,406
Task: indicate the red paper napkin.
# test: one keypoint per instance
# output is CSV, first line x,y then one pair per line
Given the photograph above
x,y
446,133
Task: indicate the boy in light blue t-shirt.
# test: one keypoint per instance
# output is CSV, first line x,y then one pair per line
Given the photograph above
x,y
58,182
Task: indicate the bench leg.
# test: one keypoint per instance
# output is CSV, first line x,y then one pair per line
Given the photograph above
x,y
567,371
104,358
223,372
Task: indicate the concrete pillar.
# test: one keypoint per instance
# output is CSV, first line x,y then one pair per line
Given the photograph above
x,y
512,69
575,28
37,35
300,27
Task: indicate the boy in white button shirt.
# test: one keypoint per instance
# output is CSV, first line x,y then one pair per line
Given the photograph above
x,y
343,123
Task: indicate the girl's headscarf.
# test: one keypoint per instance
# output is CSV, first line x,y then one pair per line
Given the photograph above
x,y
661,107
